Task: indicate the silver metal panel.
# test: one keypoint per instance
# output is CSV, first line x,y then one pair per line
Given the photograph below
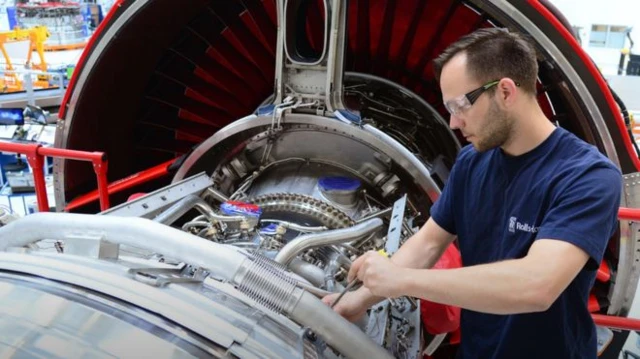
x,y
395,226
223,318
628,271
378,322
47,325
149,205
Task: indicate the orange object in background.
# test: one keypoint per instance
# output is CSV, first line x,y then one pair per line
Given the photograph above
x,y
12,82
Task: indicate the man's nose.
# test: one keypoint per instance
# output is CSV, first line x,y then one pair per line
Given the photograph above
x,y
455,122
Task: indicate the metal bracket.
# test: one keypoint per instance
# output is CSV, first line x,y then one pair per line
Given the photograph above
x,y
151,204
397,328
318,79
395,226
161,276
91,246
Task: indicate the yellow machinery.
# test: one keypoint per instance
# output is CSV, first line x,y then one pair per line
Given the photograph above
x,y
12,82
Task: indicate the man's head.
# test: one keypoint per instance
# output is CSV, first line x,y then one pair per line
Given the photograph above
x,y
485,78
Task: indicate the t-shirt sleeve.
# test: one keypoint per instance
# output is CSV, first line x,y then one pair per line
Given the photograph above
x,y
585,212
442,211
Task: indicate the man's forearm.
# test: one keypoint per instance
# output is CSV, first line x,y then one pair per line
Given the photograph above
x,y
506,287
418,253
424,248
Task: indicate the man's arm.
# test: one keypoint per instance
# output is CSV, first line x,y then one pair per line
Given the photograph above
x,y
524,285
422,250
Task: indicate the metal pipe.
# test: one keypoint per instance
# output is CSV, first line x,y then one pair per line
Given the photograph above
x,y
191,224
130,231
183,206
632,214
330,272
217,195
336,236
295,227
380,214
320,293
612,322
307,271
342,335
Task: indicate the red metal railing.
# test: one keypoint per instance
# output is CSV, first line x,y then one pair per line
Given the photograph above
x,y
613,322
632,214
35,154
134,180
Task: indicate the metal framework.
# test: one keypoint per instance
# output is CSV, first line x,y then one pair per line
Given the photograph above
x,y
35,154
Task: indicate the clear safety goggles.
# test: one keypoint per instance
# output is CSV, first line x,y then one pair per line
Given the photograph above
x,y
460,104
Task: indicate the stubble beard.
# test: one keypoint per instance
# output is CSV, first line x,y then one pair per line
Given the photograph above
x,y
497,130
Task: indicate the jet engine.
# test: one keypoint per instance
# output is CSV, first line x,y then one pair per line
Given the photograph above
x,y
256,148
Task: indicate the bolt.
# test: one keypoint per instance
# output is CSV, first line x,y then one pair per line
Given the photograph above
x,y
310,335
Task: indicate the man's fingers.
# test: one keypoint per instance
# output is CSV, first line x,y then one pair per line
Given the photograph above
x,y
355,267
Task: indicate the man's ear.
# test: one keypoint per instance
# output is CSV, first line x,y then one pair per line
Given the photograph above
x,y
507,92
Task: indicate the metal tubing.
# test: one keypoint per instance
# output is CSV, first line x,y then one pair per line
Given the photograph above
x,y
217,195
100,169
131,231
72,154
320,293
616,322
37,166
296,227
308,271
342,335
380,214
123,184
35,155
36,162
336,236
629,214
183,206
100,165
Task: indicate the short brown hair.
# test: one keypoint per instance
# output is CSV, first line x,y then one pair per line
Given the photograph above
x,y
494,53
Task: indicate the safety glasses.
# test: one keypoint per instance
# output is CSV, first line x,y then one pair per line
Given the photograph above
x,y
462,103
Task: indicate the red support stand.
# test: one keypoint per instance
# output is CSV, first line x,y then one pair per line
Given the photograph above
x,y
616,322
35,154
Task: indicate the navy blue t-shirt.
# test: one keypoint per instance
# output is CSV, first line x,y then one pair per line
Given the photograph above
x,y
498,205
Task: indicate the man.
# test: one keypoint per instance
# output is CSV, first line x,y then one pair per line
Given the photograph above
x,y
532,206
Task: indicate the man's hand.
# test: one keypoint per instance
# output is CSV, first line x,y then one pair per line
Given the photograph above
x,y
378,274
350,306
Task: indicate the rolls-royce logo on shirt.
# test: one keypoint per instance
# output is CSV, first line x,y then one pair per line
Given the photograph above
x,y
514,226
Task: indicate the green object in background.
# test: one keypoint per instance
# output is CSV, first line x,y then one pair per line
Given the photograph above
x,y
70,71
